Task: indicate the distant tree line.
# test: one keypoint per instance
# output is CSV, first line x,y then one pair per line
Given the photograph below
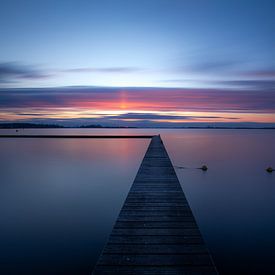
x,y
27,125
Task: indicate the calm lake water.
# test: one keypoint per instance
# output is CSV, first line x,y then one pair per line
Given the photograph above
x,y
60,198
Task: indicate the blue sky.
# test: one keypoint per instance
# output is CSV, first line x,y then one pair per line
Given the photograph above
x,y
200,44
136,43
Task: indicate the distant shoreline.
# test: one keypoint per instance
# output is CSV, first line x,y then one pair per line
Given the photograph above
x,y
16,126
79,136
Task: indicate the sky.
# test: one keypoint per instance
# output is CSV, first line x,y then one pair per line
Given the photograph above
x,y
137,63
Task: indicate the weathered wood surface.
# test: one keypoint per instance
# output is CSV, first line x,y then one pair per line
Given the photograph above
x,y
155,232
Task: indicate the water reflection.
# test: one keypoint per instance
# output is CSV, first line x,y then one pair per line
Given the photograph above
x,y
234,201
59,198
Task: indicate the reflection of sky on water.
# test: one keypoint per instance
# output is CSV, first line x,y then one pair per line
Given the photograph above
x,y
234,200
59,198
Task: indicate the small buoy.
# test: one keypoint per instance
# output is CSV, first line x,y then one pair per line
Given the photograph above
x,y
180,167
16,131
203,168
269,169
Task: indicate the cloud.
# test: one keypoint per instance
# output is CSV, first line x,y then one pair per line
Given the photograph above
x,y
145,99
213,66
261,73
244,84
36,114
104,70
139,123
204,62
152,116
12,72
179,80
251,84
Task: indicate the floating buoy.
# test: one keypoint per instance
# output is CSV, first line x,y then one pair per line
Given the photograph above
x,y
203,168
269,169
180,167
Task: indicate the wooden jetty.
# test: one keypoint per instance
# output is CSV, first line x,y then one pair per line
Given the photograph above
x,y
155,232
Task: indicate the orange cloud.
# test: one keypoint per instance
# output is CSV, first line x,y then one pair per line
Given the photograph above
x,y
168,105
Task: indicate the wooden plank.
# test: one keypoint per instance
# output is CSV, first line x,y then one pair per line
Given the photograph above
x,y
153,260
158,207
155,232
155,204
155,239
156,218
151,224
140,213
145,249
156,270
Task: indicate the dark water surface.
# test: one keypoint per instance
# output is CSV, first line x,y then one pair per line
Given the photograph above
x,y
59,198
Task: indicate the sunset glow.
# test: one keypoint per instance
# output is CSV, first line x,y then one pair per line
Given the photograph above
x,y
137,63
113,106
